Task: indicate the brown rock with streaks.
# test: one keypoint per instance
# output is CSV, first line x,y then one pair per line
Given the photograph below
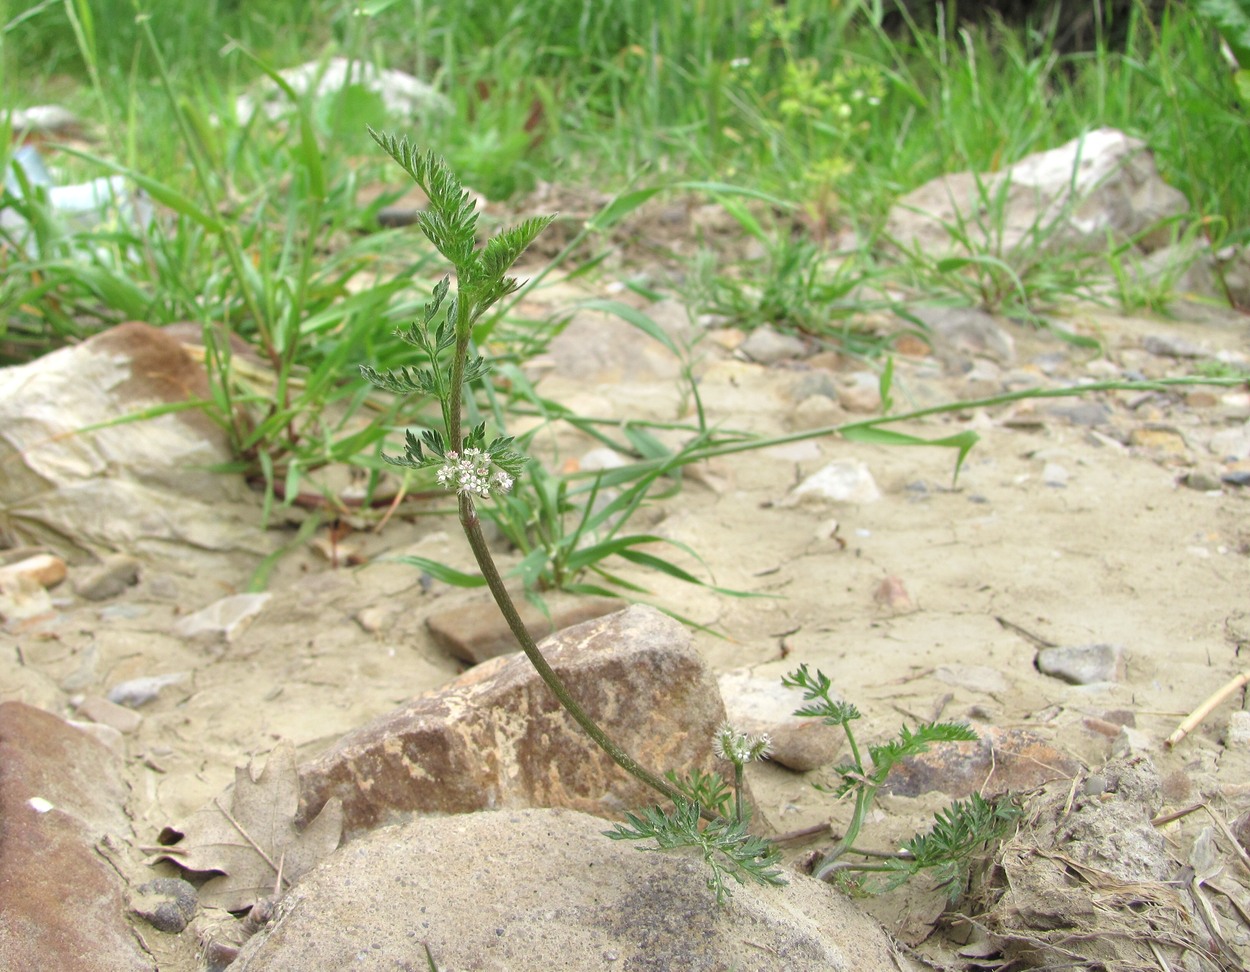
x,y
497,738
1001,761
63,906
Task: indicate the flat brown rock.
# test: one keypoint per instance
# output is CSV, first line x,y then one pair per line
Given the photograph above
x,y
63,906
475,631
1001,761
496,737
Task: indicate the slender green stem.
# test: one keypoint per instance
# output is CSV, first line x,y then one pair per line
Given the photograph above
x,y
486,564
852,866
864,793
453,403
737,792
747,442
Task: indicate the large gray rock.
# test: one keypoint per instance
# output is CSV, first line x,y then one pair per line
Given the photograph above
x,y
497,738
545,891
1072,197
81,476
62,904
402,95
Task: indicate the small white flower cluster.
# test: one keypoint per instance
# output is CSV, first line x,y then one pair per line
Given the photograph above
x,y
740,747
471,474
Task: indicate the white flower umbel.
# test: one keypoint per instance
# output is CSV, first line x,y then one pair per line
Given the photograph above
x,y
470,474
740,748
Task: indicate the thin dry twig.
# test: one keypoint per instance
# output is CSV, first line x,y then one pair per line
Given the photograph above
x,y
1167,818
815,830
1192,721
1024,633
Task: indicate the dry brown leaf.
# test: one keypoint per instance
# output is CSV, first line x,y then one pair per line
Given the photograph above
x,y
248,835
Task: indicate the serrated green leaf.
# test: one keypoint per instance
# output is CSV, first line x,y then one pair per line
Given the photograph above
x,y
450,222
503,249
404,381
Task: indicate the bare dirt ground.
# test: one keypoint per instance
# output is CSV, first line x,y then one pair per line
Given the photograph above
x,y
1070,530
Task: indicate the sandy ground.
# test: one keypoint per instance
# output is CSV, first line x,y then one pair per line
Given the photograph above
x,y
1121,552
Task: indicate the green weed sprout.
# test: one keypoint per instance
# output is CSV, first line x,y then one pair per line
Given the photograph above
x,y
960,831
476,468
725,844
466,462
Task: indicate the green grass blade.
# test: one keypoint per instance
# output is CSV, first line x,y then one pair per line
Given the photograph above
x,y
441,572
963,441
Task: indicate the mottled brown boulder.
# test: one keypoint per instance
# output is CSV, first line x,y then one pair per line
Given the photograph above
x,y
1001,761
497,738
475,631
62,905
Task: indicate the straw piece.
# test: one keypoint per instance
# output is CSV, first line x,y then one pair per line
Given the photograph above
x,y
1192,721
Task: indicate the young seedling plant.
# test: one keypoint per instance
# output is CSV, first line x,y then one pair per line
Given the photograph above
x,y
959,832
477,468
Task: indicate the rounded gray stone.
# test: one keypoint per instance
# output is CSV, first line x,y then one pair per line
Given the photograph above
x,y
167,904
1082,664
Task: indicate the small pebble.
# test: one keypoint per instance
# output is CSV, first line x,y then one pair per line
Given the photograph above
x,y
818,381
1055,475
225,619
107,735
1162,440
1237,732
1166,346
167,904
108,713
766,346
1082,664
109,579
1085,414
842,481
137,692
1201,481
892,594
1131,741
371,619
45,569
1230,444
22,597
860,392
